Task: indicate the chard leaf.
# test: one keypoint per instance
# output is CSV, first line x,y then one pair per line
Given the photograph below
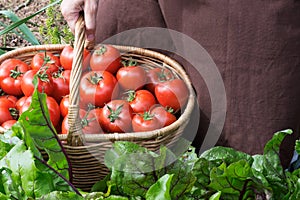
x,y
160,189
135,171
3,197
121,148
297,147
271,153
221,179
202,170
9,186
215,196
296,163
20,177
61,196
39,134
100,195
269,168
235,181
6,143
293,186
20,162
221,154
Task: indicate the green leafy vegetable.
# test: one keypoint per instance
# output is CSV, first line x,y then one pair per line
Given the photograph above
x,y
135,170
40,134
160,189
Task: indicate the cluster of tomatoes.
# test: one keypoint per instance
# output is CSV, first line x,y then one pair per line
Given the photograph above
x,y
116,95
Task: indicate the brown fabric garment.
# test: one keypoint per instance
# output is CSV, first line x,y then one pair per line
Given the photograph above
x,y
254,43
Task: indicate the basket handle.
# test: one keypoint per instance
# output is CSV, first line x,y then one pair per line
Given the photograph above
x,y
75,135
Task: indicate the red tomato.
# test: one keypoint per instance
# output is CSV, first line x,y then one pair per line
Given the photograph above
x,y
11,73
45,82
89,122
64,106
8,124
8,110
145,122
98,88
141,100
106,57
8,100
156,76
173,93
116,117
131,77
67,55
47,60
20,102
61,81
164,116
52,105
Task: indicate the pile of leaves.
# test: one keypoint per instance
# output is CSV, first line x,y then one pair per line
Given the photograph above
x,y
137,173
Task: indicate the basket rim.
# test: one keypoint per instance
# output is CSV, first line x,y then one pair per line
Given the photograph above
x,y
184,117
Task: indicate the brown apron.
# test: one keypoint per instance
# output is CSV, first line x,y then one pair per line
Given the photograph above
x,y
256,47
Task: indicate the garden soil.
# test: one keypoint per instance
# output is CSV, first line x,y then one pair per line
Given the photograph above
x,y
22,8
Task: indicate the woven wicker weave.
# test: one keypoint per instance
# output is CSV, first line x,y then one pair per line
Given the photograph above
x,y
86,152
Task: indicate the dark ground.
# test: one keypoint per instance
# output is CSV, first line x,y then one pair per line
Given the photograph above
x,y
22,8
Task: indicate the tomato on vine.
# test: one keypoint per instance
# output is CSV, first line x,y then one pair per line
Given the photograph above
x,y
61,80
141,100
142,122
116,117
89,121
46,60
8,124
98,88
105,58
11,74
45,82
20,102
165,116
8,110
131,76
67,56
156,76
173,93
12,99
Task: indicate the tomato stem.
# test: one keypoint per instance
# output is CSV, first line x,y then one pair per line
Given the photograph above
x,y
164,75
130,62
169,109
14,113
101,50
95,79
114,114
42,75
131,94
15,73
147,116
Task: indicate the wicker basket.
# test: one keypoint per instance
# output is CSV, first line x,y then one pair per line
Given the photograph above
x,y
86,152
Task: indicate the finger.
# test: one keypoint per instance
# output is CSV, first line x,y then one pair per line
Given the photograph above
x,y
70,11
90,12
